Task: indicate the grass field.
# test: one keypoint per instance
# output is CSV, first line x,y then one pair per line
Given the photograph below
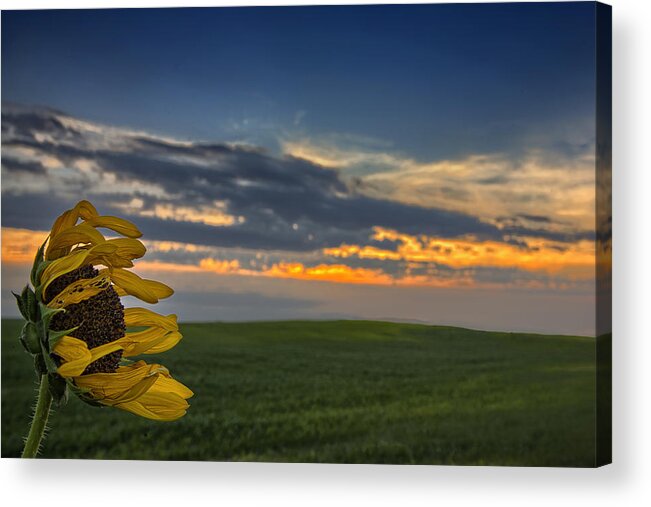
x,y
340,391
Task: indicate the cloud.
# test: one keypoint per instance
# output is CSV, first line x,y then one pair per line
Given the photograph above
x,y
412,261
215,283
576,261
558,181
15,165
255,199
238,210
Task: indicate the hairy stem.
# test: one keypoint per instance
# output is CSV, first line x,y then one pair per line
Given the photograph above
x,y
41,413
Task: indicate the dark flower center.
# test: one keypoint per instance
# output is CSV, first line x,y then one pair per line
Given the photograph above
x,y
100,318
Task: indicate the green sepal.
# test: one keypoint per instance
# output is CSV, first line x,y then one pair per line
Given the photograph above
x,y
50,364
58,389
39,272
79,391
54,336
38,261
47,314
39,366
81,394
22,305
27,304
31,303
29,337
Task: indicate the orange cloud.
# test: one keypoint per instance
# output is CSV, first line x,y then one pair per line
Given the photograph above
x,y
19,245
339,273
576,260
214,215
221,266
167,266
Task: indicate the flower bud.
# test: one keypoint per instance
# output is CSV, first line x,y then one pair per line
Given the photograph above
x,y
30,339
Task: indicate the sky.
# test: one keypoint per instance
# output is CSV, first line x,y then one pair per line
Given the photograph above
x,y
430,163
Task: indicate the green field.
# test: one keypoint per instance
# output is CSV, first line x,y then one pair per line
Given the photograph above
x,y
340,392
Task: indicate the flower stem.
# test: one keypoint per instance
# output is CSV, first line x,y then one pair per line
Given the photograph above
x,y
41,413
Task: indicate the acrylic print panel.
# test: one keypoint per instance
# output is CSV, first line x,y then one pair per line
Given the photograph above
x,y
353,234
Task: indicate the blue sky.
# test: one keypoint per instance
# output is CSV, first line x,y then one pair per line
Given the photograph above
x,y
435,81
297,158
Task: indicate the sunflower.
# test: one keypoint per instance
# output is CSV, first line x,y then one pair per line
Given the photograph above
x,y
81,336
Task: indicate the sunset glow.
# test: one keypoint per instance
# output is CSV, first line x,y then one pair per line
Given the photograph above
x,y
328,179
577,260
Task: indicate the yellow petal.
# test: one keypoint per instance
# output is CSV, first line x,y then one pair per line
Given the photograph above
x,y
119,225
125,250
128,248
149,291
138,342
153,340
69,218
164,401
60,244
133,285
119,291
75,260
145,317
103,350
75,355
62,266
114,261
169,342
81,290
130,393
159,289
166,384
126,384
86,210
157,406
66,220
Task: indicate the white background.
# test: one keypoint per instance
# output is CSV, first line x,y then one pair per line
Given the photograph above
x,y
626,482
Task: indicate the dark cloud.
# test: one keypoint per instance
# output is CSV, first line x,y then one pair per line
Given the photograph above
x,y
567,237
494,180
535,218
31,211
23,123
287,203
14,165
517,226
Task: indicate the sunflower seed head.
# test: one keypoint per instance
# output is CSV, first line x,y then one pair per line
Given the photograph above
x,y
99,319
